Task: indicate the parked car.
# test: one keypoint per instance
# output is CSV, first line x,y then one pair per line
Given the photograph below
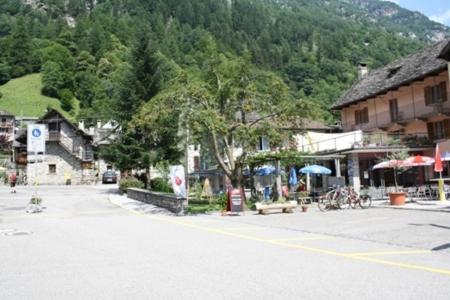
x,y
109,177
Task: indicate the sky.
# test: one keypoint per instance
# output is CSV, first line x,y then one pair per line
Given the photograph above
x,y
437,10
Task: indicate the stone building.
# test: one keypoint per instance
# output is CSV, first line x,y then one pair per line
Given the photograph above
x,y
69,157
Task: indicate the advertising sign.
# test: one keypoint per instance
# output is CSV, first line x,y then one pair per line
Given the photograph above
x,y
36,138
178,180
235,201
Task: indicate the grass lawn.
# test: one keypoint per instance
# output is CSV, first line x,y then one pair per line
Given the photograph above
x,y
22,97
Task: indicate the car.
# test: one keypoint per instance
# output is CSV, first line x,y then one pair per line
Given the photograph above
x,y
109,177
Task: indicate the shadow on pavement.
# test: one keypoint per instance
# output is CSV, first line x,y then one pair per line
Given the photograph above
x,y
442,247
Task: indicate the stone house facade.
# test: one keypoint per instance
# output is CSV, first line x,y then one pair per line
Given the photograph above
x,y
69,155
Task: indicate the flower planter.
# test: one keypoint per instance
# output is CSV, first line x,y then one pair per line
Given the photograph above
x,y
304,208
397,198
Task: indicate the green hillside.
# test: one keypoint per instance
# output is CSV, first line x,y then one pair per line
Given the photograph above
x,y
22,97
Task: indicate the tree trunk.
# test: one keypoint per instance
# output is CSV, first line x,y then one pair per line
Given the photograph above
x,y
395,180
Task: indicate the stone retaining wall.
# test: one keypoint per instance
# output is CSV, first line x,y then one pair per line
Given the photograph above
x,y
169,201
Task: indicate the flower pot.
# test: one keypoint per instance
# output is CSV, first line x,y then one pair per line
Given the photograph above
x,y
397,198
304,208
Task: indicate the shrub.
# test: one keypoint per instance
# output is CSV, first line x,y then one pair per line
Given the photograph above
x,y
161,185
130,182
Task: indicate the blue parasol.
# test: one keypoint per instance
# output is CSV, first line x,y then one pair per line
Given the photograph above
x,y
293,177
315,169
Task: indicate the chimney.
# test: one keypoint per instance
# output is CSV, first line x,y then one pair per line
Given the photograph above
x,y
81,125
99,124
362,70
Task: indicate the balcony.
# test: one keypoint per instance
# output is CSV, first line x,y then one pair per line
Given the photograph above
x,y
54,136
360,140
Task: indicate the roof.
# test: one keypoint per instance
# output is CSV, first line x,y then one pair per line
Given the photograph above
x,y
4,113
401,72
52,112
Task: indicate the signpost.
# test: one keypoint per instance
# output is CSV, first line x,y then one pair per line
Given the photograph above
x,y
35,146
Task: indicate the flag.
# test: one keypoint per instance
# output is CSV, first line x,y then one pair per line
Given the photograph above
x,y
438,160
178,180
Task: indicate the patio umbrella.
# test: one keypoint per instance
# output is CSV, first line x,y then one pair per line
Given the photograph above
x,y
419,160
315,169
293,177
392,164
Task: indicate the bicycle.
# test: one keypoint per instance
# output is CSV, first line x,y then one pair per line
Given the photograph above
x,y
354,199
334,199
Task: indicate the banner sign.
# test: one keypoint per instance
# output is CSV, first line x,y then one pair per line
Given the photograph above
x,y
36,139
178,180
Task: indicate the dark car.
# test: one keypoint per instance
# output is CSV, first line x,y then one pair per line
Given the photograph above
x,y
109,177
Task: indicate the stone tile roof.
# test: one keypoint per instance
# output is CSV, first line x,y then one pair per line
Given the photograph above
x,y
5,113
398,73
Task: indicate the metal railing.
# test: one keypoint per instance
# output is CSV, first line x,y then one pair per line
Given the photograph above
x,y
359,139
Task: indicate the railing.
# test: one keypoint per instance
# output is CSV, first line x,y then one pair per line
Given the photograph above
x,y
353,140
87,155
6,124
54,136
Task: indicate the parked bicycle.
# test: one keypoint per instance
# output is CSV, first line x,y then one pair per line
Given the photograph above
x,y
342,198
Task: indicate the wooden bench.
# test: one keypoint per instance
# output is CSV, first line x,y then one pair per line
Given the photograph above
x,y
286,207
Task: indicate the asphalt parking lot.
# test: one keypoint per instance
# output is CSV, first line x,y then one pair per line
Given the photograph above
x,y
91,243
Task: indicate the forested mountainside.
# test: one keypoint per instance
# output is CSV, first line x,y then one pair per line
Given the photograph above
x,y
106,52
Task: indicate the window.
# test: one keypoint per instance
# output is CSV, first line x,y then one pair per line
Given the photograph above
x,y
436,94
196,163
3,120
362,116
53,126
263,144
439,130
52,169
393,109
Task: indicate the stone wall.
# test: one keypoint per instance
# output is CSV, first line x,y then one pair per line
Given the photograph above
x,y
169,201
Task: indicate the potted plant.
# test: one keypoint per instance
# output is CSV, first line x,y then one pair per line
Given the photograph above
x,y
35,205
396,162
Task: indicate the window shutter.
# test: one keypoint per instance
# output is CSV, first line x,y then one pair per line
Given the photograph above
x,y
366,115
447,128
428,96
430,131
443,91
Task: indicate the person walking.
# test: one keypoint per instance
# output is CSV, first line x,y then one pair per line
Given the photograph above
x,y
12,182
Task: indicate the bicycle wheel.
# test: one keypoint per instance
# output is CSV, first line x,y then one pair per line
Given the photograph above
x,y
324,203
365,201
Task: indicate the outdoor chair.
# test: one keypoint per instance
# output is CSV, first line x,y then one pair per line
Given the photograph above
x,y
411,192
423,193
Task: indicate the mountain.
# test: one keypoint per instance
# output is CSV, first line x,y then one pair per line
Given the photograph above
x,y
386,15
99,51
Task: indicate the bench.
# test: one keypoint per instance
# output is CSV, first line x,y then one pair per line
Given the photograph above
x,y
286,207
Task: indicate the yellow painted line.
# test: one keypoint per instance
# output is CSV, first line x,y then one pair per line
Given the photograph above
x,y
312,238
241,228
390,253
201,221
302,247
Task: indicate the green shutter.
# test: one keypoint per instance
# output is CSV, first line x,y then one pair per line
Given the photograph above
x,y
447,128
428,95
430,131
443,91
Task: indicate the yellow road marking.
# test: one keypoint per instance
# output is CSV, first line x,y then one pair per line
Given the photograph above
x,y
241,228
302,247
390,253
312,238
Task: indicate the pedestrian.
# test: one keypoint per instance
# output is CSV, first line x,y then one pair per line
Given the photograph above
x,y
12,182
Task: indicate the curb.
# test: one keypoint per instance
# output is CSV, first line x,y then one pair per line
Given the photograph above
x,y
413,208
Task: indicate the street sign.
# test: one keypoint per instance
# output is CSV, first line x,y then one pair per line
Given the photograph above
x,y
36,139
